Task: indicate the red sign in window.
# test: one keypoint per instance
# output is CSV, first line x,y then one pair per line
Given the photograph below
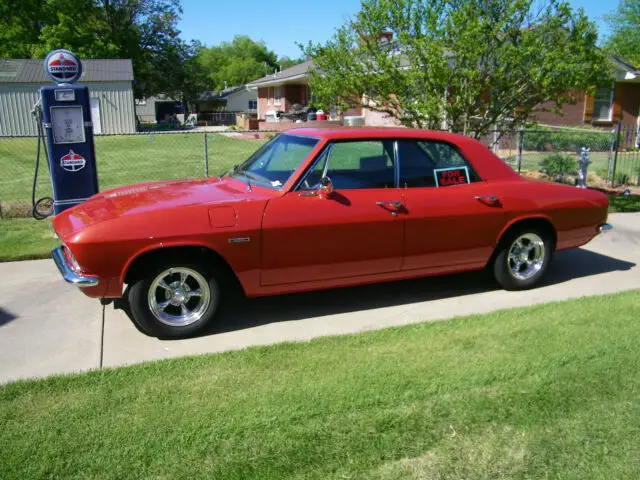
x,y
446,177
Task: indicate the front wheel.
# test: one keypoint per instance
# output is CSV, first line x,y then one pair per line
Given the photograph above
x,y
522,259
175,301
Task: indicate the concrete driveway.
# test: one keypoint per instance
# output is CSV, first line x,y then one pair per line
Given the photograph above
x,y
48,327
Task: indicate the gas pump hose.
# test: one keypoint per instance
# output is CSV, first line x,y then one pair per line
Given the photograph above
x,y
37,112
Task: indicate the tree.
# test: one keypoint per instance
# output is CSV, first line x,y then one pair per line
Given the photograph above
x,y
625,26
466,65
238,62
287,62
143,30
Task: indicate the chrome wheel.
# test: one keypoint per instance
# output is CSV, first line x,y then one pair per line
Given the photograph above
x,y
526,256
179,296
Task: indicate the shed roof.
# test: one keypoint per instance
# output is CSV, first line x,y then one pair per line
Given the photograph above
x,y
20,70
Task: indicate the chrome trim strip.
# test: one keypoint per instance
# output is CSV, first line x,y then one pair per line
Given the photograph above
x,y
81,281
69,201
604,228
396,163
240,240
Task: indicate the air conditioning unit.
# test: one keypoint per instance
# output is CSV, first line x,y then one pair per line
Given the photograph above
x,y
354,121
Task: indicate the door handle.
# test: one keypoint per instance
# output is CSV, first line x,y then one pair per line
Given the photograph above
x,y
490,200
394,204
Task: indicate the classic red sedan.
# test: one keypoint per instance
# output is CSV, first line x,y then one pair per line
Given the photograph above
x,y
320,208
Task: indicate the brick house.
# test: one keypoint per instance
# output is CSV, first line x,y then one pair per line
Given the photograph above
x,y
277,92
608,105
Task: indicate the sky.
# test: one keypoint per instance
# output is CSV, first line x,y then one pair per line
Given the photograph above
x,y
282,23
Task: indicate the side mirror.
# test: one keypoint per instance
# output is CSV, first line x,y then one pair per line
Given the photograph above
x,y
326,187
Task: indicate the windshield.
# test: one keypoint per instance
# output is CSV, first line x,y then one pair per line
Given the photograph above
x,y
274,163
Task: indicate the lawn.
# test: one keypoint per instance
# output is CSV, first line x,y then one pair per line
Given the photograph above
x,y
628,163
549,391
125,159
624,203
25,239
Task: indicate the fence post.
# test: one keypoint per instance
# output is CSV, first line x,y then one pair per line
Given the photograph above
x,y
206,157
520,142
615,154
610,159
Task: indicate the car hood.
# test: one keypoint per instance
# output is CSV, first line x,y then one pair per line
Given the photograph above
x,y
149,198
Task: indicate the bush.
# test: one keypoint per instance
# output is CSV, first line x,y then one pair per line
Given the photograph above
x,y
546,139
559,165
622,179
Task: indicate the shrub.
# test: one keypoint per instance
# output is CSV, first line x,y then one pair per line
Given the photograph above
x,y
546,139
622,178
559,165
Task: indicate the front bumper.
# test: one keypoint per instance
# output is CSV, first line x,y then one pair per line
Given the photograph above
x,y
70,275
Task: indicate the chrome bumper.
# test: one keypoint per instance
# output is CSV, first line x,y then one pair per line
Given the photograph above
x,y
68,273
604,228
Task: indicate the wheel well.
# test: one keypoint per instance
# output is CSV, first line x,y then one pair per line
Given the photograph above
x,y
206,257
536,223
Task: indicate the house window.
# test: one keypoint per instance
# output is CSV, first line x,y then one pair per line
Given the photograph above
x,y
277,95
253,104
602,104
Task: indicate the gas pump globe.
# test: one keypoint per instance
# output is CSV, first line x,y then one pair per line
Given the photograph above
x,y
64,117
583,163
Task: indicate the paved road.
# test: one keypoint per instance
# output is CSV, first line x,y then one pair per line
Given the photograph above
x,y
47,327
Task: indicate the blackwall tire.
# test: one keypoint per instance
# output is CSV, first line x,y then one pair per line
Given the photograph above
x,y
175,301
522,258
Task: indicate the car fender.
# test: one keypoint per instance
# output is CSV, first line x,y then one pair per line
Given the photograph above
x,y
524,217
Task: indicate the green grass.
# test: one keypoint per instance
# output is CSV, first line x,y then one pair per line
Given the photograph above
x,y
627,163
549,391
624,203
25,239
125,159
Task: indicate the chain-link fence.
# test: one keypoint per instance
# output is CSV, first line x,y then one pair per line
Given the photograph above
x,y
552,153
544,152
123,160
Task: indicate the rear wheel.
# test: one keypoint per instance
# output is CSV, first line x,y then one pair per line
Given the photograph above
x,y
175,301
523,258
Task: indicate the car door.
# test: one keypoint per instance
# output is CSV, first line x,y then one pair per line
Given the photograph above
x,y
356,230
453,219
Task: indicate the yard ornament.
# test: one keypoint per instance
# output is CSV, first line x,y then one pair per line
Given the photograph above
x,y
583,163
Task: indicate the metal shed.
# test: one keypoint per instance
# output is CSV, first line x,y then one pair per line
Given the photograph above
x,y
110,83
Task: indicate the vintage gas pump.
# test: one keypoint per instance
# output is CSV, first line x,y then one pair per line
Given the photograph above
x,y
64,119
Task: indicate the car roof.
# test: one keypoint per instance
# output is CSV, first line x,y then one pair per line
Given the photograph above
x,y
489,166
352,133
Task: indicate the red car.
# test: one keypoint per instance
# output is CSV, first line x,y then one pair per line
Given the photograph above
x,y
320,208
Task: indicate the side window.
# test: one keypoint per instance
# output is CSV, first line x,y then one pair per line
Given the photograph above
x,y
362,164
425,163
